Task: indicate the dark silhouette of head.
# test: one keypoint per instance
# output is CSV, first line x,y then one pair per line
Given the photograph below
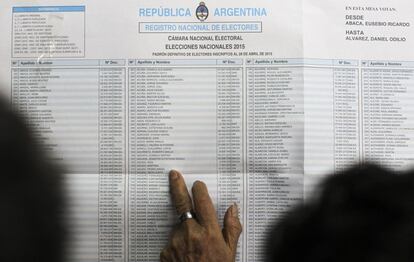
x,y
31,201
363,214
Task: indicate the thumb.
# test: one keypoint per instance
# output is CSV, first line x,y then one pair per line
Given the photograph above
x,y
232,228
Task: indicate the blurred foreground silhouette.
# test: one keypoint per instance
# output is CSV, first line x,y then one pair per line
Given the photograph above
x,y
363,214
31,199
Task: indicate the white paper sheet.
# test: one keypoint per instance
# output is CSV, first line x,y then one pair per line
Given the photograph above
x,y
258,99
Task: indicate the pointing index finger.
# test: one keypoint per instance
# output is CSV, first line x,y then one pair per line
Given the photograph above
x,y
179,194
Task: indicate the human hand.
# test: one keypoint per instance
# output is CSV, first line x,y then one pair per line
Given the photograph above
x,y
200,238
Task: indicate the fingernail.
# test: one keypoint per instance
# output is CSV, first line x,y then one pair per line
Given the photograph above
x,y
173,174
235,210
